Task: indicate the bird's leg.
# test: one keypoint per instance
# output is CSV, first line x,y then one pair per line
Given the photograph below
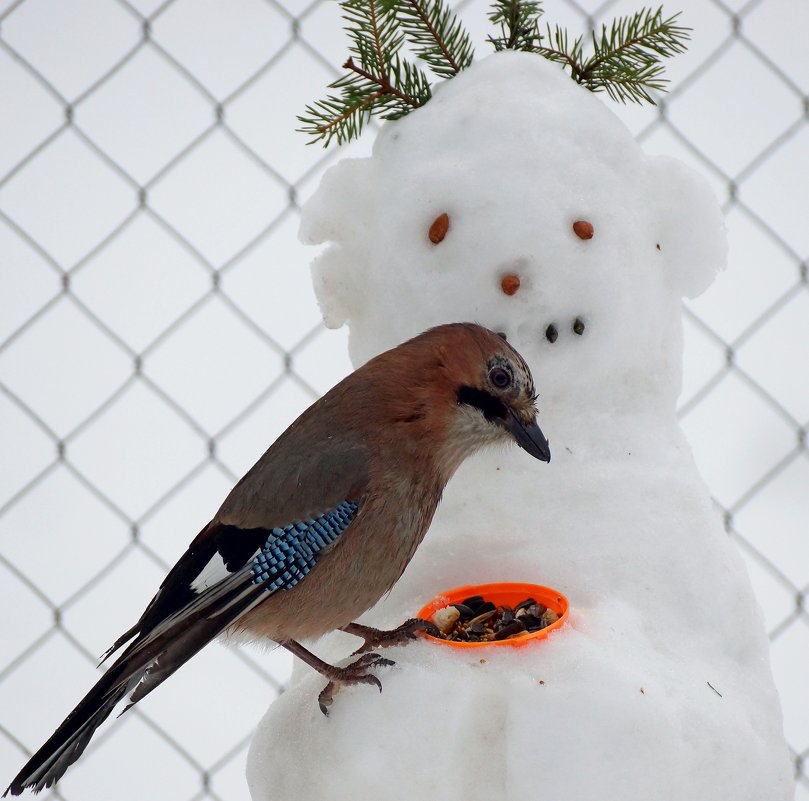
x,y
376,638
355,673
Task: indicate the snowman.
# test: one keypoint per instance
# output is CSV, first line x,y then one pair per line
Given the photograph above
x,y
517,200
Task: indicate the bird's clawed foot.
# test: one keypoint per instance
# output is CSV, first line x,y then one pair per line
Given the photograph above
x,y
376,638
355,673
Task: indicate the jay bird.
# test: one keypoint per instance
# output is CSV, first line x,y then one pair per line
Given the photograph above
x,y
324,524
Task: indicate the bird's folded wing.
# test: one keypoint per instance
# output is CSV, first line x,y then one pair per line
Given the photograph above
x,y
232,569
287,510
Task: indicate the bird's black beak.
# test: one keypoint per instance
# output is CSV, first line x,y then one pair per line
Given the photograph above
x,y
529,437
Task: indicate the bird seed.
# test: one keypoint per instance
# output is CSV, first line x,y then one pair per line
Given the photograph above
x,y
478,620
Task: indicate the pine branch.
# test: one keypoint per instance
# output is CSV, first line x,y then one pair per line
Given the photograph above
x,y
518,21
374,34
340,117
418,88
560,51
383,82
378,81
436,35
626,60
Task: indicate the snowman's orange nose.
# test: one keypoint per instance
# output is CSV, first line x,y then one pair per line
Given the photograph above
x,y
510,284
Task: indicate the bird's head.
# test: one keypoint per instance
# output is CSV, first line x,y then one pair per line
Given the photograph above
x,y
472,389
495,394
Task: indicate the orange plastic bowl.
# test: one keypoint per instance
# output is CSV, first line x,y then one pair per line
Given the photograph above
x,y
509,593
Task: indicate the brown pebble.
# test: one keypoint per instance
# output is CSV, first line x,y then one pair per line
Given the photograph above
x,y
578,326
583,229
551,334
510,284
438,230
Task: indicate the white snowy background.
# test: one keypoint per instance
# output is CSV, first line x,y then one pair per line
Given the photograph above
x,y
158,330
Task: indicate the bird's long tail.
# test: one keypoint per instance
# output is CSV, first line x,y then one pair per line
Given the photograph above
x,y
146,663
68,742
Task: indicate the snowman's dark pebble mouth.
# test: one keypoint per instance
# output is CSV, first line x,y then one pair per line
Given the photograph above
x,y
552,332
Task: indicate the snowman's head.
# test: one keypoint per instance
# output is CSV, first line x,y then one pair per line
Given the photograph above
x,y
514,153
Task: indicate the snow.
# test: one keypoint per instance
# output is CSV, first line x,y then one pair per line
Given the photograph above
x,y
659,686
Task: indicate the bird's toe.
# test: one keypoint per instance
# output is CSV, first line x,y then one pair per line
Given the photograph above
x,y
355,673
401,635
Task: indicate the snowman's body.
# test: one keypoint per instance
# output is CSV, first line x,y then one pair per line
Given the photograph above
x,y
659,687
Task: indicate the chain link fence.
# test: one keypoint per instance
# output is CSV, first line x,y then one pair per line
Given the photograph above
x,y
158,330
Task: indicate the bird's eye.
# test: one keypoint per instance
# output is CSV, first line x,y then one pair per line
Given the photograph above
x,y
500,377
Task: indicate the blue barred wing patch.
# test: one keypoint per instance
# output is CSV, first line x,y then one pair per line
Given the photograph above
x,y
292,551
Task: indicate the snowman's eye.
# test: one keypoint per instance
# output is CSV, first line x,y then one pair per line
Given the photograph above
x,y
438,230
500,377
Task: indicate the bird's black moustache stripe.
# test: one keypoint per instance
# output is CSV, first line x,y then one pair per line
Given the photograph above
x,y
492,408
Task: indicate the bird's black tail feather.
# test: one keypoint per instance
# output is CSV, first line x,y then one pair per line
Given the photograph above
x,y
146,663
68,742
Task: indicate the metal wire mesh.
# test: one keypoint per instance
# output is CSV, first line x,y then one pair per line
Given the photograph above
x,y
157,330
